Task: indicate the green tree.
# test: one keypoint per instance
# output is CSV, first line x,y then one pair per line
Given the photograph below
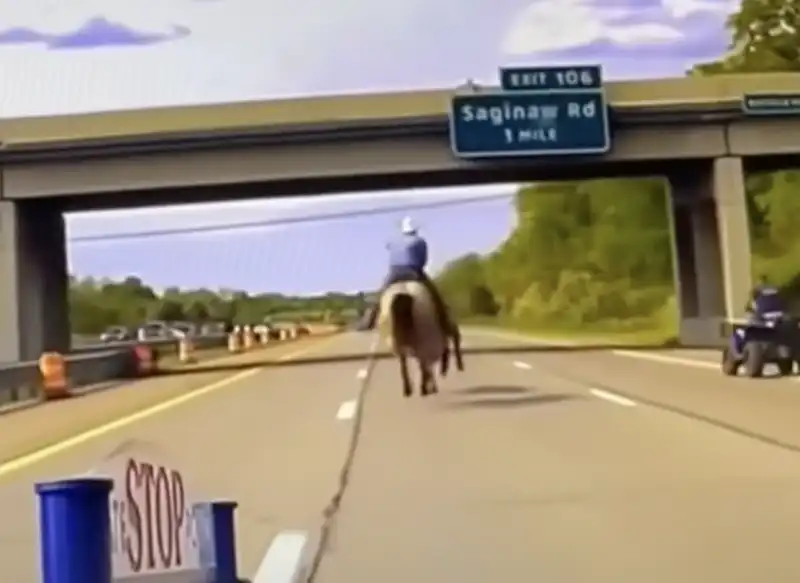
x,y
460,282
765,38
482,302
170,310
197,312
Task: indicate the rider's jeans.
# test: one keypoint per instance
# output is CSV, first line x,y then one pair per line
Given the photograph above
x,y
399,274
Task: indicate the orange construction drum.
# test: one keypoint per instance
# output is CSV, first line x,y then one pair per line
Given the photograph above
x,y
53,370
144,360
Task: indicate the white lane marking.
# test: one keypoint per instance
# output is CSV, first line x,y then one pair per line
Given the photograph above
x,y
626,353
612,398
522,365
347,410
69,443
285,559
524,339
361,374
666,359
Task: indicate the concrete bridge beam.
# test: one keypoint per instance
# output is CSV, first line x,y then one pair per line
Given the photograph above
x,y
711,247
34,280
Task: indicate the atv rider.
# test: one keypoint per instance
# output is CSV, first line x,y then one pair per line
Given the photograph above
x,y
408,253
765,303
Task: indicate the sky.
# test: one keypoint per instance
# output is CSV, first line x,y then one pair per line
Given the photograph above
x,y
97,55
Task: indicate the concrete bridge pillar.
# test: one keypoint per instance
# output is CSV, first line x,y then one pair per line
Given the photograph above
x,y
34,281
711,247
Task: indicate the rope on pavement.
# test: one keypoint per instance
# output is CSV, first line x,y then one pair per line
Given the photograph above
x,y
332,509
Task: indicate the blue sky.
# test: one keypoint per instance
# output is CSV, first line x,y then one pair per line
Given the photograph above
x,y
346,254
95,55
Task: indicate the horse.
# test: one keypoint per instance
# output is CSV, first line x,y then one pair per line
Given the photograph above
x,y
408,320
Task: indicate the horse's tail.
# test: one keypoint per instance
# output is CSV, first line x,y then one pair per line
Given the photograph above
x,y
402,312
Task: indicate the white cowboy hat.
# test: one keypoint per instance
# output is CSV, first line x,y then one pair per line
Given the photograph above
x,y
408,227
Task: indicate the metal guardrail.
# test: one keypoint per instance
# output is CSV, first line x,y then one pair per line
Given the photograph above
x,y
20,381
206,341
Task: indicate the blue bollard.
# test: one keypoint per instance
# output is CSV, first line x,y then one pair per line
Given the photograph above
x,y
203,516
75,531
224,530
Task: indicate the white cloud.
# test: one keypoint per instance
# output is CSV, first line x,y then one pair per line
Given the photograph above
x,y
238,50
545,26
646,33
684,8
53,16
229,56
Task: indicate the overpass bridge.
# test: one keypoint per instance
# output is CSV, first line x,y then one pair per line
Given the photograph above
x,y
692,131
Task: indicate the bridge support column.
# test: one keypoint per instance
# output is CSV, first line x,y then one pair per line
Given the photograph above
x,y
34,281
711,247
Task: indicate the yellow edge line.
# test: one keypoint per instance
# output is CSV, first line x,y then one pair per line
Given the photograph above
x,y
50,451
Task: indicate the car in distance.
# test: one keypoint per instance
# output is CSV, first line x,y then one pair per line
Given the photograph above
x,y
116,334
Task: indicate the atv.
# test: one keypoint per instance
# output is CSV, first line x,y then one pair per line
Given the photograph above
x,y
753,344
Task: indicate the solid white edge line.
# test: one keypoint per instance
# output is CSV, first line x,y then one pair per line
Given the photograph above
x,y
666,359
612,398
661,358
284,560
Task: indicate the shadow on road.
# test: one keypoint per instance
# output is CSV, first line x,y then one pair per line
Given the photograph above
x,y
511,402
501,397
362,357
494,391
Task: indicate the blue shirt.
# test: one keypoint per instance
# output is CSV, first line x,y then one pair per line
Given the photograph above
x,y
408,251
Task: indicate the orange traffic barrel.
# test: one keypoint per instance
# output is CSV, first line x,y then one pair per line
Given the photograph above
x,y
144,359
53,370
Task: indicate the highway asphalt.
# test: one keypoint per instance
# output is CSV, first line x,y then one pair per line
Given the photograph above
x,y
533,465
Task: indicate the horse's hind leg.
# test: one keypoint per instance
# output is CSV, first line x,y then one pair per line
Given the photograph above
x,y
404,375
428,380
456,334
423,381
444,363
433,387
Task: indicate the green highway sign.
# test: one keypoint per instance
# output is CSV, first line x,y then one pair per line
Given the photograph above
x,y
538,111
529,123
772,104
579,77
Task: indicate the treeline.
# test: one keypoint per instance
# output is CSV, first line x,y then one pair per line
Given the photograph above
x,y
582,253
97,305
597,254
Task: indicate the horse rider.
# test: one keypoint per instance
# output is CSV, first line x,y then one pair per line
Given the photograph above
x,y
408,256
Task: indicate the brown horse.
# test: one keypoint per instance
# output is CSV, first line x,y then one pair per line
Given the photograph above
x,y
408,320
